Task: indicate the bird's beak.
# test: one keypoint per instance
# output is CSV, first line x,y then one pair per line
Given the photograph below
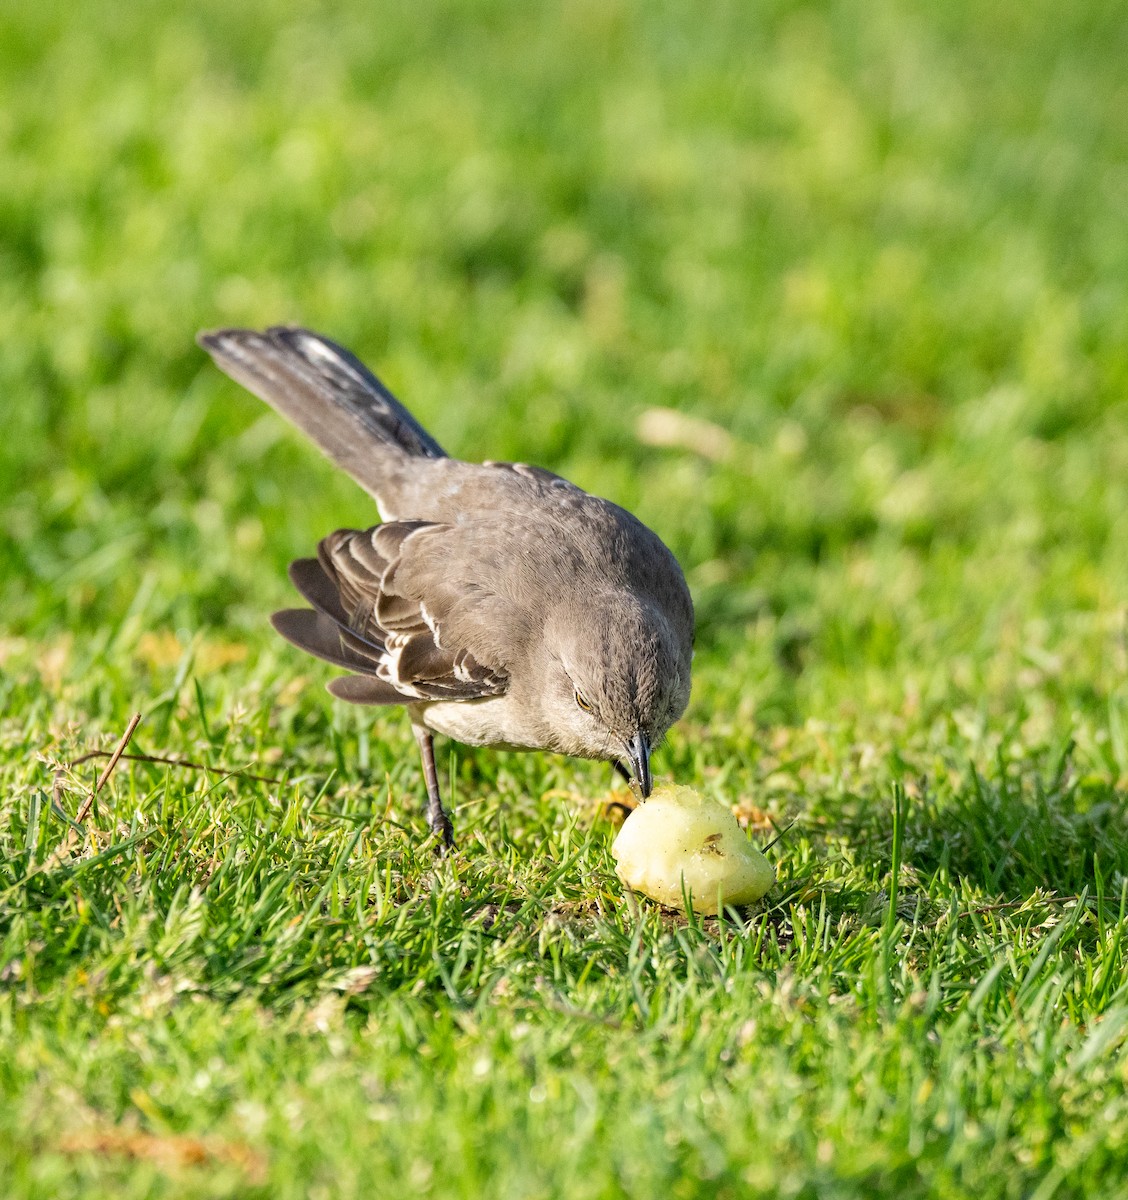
x,y
638,756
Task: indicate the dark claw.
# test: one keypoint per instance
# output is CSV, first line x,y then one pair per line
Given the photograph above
x,y
441,827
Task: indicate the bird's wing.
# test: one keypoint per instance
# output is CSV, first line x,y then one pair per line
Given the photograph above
x,y
381,610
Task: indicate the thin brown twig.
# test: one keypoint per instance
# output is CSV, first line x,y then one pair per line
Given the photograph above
x,y
173,762
134,721
115,756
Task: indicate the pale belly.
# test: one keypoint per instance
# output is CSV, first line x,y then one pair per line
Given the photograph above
x,y
488,722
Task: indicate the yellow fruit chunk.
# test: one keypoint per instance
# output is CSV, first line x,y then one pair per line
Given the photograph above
x,y
680,842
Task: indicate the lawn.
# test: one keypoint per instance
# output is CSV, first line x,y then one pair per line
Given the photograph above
x,y
835,297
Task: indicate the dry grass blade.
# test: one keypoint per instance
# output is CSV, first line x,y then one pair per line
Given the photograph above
x,y
168,1152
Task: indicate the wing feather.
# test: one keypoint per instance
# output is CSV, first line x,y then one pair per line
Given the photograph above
x,y
321,636
364,689
371,615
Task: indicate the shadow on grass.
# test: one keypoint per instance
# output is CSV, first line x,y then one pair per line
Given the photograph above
x,y
1017,829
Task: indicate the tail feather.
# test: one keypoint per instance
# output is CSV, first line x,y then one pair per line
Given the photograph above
x,y
326,392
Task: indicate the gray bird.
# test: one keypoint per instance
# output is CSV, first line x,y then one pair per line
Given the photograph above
x,y
500,604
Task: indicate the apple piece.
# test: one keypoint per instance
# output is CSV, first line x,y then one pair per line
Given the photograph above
x,y
678,842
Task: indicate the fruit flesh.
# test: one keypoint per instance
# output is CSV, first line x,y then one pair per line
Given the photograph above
x,y
679,842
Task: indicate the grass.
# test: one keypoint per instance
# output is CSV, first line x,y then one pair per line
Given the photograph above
x,y
881,248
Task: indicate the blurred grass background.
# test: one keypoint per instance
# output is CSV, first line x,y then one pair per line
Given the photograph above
x,y
884,250
880,250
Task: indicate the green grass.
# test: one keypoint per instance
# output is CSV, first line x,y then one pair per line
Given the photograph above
x,y
884,247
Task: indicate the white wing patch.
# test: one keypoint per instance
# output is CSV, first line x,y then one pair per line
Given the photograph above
x,y
362,581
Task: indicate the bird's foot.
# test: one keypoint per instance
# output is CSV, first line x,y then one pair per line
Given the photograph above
x,y
437,817
439,821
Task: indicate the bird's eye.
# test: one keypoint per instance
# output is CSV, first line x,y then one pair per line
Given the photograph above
x,y
581,700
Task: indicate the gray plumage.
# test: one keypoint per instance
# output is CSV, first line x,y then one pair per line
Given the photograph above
x,y
500,603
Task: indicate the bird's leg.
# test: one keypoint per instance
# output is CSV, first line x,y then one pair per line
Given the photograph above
x,y
437,817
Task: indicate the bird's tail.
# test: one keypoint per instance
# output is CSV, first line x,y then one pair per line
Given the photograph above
x,y
328,393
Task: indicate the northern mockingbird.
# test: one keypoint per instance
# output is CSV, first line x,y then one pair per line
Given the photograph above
x,y
500,604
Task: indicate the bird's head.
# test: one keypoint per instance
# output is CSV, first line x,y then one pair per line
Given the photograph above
x,y
620,679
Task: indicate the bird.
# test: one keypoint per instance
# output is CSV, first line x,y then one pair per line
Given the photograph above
x,y
500,604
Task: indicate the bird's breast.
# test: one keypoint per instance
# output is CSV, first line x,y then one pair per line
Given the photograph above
x,y
497,721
